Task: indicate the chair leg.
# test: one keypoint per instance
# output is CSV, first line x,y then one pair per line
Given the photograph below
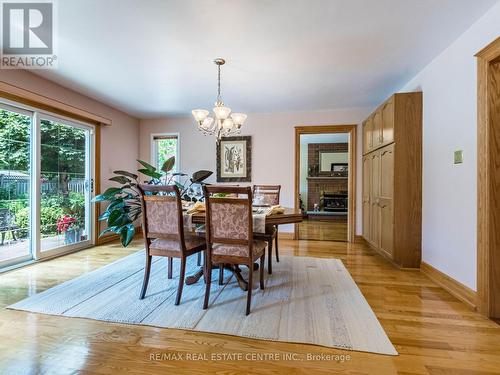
x,y
261,270
181,281
276,246
198,262
204,273
147,270
221,273
170,261
208,270
270,256
250,283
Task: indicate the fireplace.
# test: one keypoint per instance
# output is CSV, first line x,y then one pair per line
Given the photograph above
x,y
333,201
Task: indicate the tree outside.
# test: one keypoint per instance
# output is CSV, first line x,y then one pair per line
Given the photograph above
x,y
166,148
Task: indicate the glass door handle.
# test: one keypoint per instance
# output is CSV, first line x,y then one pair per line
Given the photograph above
x,y
89,185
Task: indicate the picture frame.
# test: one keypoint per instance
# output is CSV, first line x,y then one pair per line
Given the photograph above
x,y
234,159
340,169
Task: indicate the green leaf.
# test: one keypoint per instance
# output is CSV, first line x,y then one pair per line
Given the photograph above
x,y
146,165
179,185
107,195
199,176
103,216
114,218
127,234
168,165
117,204
108,229
125,173
121,179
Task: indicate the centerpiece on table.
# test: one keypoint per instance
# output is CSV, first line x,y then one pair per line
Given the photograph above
x,y
124,201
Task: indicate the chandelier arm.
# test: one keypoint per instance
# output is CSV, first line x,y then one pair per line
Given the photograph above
x,y
218,83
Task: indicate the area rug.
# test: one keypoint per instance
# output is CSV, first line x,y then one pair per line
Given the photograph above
x,y
306,300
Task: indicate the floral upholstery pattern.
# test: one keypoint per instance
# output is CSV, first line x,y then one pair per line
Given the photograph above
x,y
162,215
172,245
266,197
238,250
229,220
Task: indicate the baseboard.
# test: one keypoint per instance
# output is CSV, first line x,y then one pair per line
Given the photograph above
x,y
286,235
114,237
360,239
455,288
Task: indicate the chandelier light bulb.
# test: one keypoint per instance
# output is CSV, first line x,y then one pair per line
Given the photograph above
x,y
200,114
222,113
239,118
207,123
228,124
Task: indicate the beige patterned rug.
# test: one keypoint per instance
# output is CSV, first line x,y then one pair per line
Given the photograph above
x,y
306,300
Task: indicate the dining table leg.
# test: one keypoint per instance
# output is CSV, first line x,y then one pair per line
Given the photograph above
x,y
235,269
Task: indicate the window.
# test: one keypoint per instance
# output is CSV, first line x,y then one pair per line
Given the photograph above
x,y
163,147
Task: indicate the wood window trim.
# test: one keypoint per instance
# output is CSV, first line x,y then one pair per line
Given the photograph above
x,y
322,129
488,156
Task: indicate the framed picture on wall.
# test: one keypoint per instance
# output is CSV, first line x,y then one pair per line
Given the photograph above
x,y
234,159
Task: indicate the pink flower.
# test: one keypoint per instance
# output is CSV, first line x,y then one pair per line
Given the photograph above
x,y
64,223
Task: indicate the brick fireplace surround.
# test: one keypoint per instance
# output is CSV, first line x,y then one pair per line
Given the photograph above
x,y
322,182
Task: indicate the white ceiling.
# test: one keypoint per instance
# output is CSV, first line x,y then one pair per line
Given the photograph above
x,y
152,58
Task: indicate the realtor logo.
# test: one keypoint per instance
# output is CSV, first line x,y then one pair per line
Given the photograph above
x,y
27,35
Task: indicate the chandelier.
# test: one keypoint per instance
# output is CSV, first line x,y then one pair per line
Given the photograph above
x,y
224,123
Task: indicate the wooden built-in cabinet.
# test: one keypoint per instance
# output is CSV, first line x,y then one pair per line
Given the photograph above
x,y
392,179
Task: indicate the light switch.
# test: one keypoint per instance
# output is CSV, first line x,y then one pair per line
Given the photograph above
x,y
458,157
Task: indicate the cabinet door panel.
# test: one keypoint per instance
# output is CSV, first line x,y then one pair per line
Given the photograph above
x,y
386,199
374,198
366,197
377,129
388,122
367,135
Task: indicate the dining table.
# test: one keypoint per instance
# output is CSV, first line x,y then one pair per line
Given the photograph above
x,y
288,216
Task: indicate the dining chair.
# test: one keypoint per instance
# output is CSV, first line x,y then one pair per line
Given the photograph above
x,y
163,230
230,240
268,195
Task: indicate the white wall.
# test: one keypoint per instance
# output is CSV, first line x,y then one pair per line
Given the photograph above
x,y
449,191
273,143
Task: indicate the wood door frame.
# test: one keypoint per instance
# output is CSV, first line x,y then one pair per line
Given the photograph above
x,y
488,159
325,129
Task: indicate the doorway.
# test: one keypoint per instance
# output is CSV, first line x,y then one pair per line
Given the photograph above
x,y
325,182
488,156
46,184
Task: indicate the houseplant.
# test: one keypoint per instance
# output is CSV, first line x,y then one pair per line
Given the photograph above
x,y
124,202
71,228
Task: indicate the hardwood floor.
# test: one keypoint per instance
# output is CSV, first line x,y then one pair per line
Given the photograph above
x,y
433,332
323,230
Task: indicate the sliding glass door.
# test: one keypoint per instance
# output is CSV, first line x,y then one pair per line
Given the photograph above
x,y
65,184
46,180
15,186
